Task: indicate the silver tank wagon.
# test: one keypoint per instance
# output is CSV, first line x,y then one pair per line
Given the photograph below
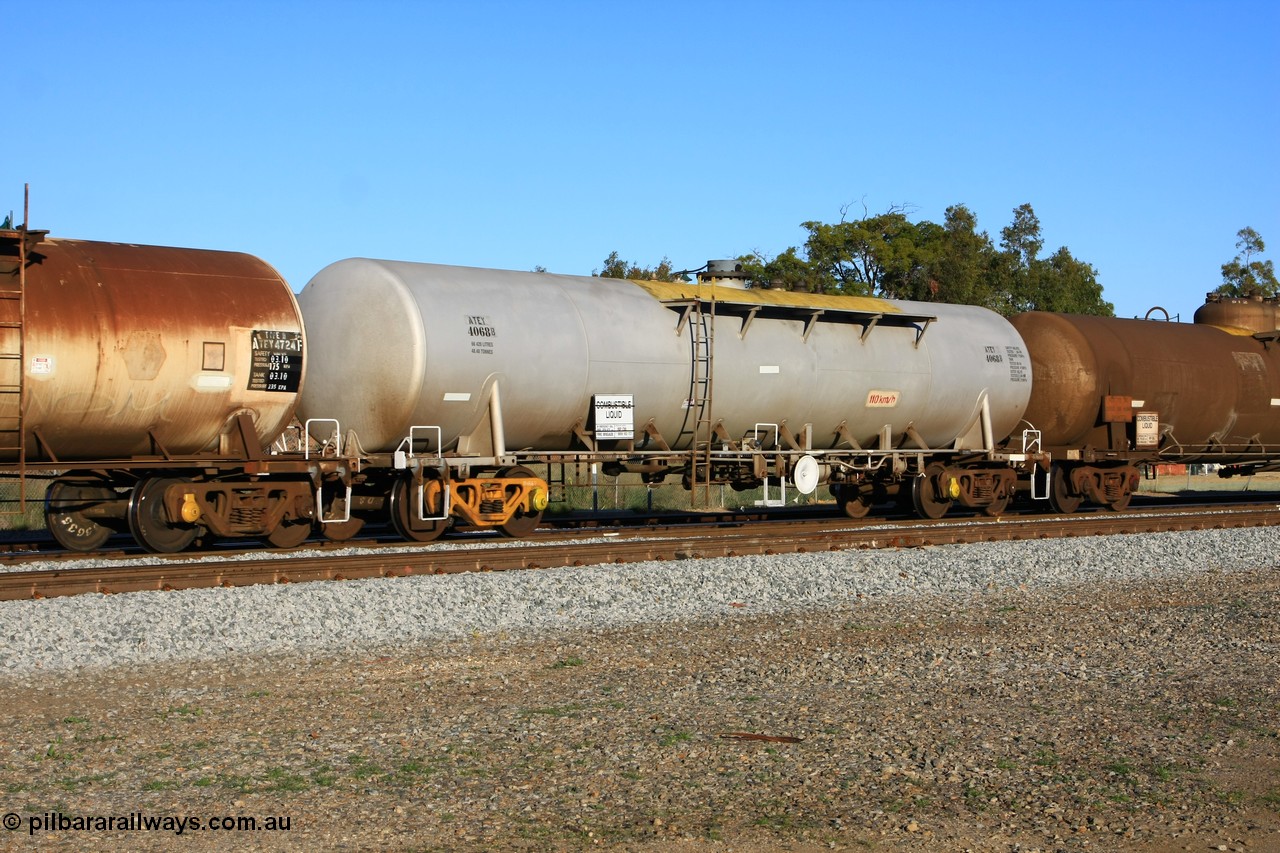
x,y
512,363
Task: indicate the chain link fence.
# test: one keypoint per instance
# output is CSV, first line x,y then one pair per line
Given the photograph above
x,y
13,518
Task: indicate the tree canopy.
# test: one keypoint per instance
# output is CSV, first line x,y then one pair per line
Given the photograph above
x,y
889,255
1246,274
616,267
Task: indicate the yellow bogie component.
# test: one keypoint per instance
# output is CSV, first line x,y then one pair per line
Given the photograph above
x,y
190,508
512,501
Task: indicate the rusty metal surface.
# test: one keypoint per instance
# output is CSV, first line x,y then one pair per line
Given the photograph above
x,y
1252,314
121,340
1208,386
756,539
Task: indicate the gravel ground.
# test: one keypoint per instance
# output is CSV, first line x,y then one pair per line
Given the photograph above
x,y
1115,693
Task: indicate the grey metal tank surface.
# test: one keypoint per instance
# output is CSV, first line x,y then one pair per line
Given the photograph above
x,y
131,350
397,344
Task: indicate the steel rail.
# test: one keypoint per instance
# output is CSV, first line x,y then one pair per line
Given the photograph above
x,y
504,555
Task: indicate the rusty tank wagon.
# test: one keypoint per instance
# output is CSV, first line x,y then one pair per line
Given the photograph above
x,y
152,386
1112,394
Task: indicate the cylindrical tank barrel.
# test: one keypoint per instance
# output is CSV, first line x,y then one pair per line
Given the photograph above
x,y
1208,385
400,344
138,350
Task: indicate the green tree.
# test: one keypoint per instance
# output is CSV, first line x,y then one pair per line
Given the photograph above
x,y
1021,238
1070,286
873,255
1022,281
1246,275
787,271
888,255
615,267
959,268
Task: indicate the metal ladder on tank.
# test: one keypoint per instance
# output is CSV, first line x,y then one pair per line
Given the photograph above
x,y
702,373
13,311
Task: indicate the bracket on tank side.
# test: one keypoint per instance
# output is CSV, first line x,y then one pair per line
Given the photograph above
x,y
488,439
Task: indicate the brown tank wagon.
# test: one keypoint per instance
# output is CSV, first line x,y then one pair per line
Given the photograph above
x,y
131,350
148,384
1110,394
1250,314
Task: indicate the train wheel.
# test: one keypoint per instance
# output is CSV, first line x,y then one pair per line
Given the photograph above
x,y
1060,497
923,495
854,502
404,514
289,534
335,505
1121,503
341,531
149,523
64,506
522,523
997,506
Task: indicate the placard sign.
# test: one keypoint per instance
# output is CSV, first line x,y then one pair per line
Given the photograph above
x,y
615,416
277,361
1147,429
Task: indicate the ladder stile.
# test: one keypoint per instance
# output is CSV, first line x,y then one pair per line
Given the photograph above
x,y
15,242
701,375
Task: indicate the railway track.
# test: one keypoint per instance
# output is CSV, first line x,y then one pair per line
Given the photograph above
x,y
624,546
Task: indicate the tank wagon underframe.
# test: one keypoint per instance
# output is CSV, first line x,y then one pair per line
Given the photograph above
x,y
169,501
772,457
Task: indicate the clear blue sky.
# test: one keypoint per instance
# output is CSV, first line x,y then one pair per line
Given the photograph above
x,y
518,134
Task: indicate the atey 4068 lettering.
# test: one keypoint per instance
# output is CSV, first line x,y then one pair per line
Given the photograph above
x,y
480,328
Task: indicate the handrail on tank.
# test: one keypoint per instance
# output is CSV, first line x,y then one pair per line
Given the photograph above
x,y
404,452
336,437
755,434
291,440
1031,445
767,501
337,451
